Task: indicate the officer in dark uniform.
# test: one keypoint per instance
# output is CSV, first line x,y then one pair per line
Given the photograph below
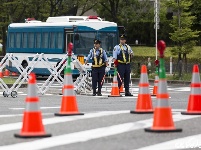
x,y
122,55
99,62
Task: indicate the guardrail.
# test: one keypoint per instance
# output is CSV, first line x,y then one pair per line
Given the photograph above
x,y
82,83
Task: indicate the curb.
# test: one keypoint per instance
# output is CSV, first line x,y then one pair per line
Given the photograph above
x,y
22,85
152,81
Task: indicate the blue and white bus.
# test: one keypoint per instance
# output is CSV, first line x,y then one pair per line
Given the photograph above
x,y
24,40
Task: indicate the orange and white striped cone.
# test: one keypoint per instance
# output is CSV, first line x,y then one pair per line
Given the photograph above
x,y
115,89
32,121
6,73
162,121
144,102
121,89
69,103
155,89
14,74
1,73
194,101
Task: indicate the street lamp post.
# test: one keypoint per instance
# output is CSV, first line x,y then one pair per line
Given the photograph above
x,y
156,20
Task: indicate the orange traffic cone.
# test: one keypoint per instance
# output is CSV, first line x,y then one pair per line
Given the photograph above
x,y
32,120
69,104
115,88
194,101
6,73
1,73
14,74
155,89
121,89
144,102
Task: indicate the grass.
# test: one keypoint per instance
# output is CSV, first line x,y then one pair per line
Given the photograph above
x,y
9,80
151,51
142,53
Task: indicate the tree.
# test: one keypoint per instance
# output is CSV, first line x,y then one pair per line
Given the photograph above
x,y
183,35
136,16
18,10
196,11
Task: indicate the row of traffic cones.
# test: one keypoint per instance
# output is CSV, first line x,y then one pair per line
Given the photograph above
x,y
162,120
115,91
7,73
32,120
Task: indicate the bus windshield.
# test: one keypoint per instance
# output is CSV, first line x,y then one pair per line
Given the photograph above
x,y
83,41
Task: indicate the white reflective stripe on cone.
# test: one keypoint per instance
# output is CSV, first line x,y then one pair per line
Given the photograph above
x,y
156,78
195,78
162,102
195,90
155,83
143,78
114,84
68,92
144,90
32,106
114,78
32,92
162,86
68,80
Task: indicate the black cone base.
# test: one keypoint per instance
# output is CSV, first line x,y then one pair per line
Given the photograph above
x,y
32,136
114,96
161,130
141,112
191,113
68,114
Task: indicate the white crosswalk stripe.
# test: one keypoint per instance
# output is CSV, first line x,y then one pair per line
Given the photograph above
x,y
109,130
84,136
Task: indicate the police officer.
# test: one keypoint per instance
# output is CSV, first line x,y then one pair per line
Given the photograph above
x,y
122,55
99,62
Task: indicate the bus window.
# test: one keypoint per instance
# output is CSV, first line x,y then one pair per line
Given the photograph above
x,y
38,40
31,40
11,40
52,40
24,40
108,41
45,40
59,40
84,43
68,38
18,40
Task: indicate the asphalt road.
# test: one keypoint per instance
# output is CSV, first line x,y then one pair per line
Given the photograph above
x,y
106,124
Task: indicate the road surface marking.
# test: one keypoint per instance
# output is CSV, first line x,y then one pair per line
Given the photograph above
x,y
189,142
87,135
54,120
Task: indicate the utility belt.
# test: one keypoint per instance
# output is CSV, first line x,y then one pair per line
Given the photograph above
x,y
98,66
123,63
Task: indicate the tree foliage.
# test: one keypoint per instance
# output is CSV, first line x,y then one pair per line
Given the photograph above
x,y
136,15
182,23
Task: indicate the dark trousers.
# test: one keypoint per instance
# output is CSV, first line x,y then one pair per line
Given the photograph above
x,y
124,72
97,77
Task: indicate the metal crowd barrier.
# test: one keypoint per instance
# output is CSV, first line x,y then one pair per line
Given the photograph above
x,y
24,72
83,83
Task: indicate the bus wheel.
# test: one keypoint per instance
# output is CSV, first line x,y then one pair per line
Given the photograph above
x,y
14,94
5,94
